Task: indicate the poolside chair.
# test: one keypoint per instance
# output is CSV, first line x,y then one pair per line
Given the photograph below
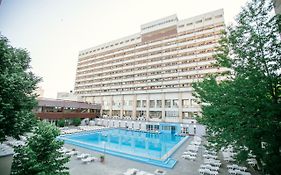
x,y
81,156
230,171
188,157
15,143
201,170
159,172
242,168
212,152
131,171
64,150
89,159
191,153
214,172
217,164
212,168
242,172
71,153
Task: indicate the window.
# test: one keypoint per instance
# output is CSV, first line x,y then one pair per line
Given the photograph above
x,y
152,103
175,103
185,103
143,103
167,103
171,113
159,103
138,103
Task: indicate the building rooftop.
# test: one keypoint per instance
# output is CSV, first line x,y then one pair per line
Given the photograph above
x,y
66,103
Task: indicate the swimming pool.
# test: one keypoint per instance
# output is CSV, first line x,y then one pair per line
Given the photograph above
x,y
152,148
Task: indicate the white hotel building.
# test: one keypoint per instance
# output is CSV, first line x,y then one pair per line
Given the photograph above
x,y
148,75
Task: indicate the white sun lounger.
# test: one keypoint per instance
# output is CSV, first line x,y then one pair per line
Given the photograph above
x,y
81,156
242,172
131,171
190,153
188,157
89,159
71,153
64,150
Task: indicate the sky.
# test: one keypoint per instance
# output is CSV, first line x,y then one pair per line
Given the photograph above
x,y
54,31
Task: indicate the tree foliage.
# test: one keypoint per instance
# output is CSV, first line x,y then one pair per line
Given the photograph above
x,y
244,110
76,121
61,123
40,156
17,83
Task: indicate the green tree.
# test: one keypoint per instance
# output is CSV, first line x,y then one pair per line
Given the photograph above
x,y
244,110
40,156
76,121
17,83
61,123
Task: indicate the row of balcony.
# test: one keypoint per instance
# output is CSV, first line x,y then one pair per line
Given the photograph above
x,y
176,82
153,76
177,59
133,92
215,27
133,69
147,57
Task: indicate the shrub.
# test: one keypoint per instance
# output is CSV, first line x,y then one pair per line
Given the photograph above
x,y
61,123
76,121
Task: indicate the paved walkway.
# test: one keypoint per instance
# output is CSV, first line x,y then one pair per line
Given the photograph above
x,y
116,166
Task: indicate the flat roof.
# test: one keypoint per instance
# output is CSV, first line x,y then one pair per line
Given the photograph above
x,y
66,103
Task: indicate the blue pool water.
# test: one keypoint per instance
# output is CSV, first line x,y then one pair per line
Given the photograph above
x,y
142,146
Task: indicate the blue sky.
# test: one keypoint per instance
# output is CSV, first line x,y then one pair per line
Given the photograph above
x,y
54,31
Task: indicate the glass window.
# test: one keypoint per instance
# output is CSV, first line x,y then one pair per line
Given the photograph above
x,y
138,103
167,103
171,113
159,103
152,103
175,103
185,103
190,115
144,103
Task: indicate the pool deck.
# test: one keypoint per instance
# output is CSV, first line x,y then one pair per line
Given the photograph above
x,y
114,165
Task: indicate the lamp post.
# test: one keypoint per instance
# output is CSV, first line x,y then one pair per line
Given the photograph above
x,y
104,143
103,147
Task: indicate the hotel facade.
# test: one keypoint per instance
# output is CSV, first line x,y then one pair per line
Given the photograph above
x,y
148,75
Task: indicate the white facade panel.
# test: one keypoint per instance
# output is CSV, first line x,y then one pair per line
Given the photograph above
x,y
148,75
